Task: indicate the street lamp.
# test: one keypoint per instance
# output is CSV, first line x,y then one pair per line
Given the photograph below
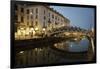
x,y
19,33
21,52
22,28
36,29
32,31
31,13
43,29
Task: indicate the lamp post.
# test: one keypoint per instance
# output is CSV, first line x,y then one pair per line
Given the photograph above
x,y
19,33
36,29
44,31
32,32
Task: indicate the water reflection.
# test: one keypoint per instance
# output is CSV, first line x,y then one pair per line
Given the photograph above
x,y
48,55
74,46
79,46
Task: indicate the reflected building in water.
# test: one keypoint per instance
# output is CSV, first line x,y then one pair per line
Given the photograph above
x,y
58,53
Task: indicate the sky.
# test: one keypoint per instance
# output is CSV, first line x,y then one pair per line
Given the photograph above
x,y
78,16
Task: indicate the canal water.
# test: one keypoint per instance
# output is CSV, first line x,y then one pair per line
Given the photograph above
x,y
69,51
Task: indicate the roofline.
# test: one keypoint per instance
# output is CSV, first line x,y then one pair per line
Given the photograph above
x,y
46,6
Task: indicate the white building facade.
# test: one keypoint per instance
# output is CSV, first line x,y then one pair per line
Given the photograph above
x,y
38,19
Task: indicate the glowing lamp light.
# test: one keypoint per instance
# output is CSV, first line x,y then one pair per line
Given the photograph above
x,y
63,25
44,29
33,32
19,32
32,29
31,13
21,52
22,28
75,39
23,31
36,49
40,49
36,29
55,44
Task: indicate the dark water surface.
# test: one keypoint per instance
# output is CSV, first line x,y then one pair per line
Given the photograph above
x,y
64,52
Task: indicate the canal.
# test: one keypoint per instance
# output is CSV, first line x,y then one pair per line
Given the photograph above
x,y
68,51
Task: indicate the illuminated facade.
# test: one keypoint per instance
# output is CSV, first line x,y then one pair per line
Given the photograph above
x,y
37,19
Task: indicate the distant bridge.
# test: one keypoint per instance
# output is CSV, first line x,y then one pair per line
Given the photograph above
x,y
67,31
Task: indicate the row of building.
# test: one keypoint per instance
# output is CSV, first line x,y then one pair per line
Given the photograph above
x,y
37,19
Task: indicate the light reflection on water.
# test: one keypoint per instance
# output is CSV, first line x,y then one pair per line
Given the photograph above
x,y
79,46
47,55
73,46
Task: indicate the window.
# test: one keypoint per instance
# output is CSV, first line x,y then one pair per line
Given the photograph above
x,y
36,23
44,11
44,17
62,20
56,23
58,19
36,16
21,18
52,16
31,16
27,23
32,10
36,10
49,14
44,24
27,17
55,17
32,23
22,9
27,11
49,21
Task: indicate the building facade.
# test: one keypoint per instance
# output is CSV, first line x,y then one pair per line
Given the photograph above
x,y
37,19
